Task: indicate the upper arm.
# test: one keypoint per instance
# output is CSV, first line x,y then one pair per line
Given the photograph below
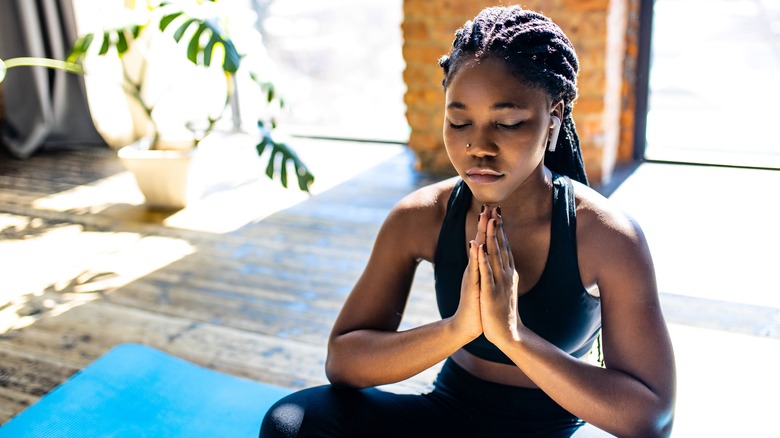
x,y
378,299
635,337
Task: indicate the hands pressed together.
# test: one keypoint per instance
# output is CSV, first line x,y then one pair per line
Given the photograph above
x,y
488,301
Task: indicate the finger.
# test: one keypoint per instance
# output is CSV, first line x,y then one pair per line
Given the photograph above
x,y
507,259
482,225
473,266
493,248
485,271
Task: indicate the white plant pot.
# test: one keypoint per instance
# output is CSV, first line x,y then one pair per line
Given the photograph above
x,y
165,177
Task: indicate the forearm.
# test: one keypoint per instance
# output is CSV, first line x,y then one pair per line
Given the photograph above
x,y
365,357
609,399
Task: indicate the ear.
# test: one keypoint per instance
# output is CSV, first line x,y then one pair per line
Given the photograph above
x,y
552,139
557,110
556,115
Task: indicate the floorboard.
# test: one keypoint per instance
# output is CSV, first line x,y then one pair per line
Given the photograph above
x,y
257,302
252,286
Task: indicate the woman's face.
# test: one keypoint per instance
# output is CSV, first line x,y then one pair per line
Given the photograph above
x,y
505,121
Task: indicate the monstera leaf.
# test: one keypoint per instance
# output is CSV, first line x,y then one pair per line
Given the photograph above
x,y
205,30
119,38
281,156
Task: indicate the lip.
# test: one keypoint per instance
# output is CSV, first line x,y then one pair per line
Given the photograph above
x,y
483,175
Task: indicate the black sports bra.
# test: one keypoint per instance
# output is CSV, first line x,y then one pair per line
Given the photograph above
x,y
557,308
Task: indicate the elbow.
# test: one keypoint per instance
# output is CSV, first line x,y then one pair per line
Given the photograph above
x,y
656,418
650,421
654,430
657,425
663,420
341,377
335,375
651,431
339,373
663,425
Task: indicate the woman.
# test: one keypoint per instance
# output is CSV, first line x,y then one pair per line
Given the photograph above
x,y
529,266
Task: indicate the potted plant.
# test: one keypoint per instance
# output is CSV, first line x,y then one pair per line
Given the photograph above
x,y
195,36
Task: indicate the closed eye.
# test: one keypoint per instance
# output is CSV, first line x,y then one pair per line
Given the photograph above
x,y
458,126
513,126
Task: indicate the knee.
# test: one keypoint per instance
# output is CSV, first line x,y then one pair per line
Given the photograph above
x,y
319,405
283,419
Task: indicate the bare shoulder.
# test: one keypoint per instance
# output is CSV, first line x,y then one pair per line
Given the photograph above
x,y
607,236
429,197
597,214
418,216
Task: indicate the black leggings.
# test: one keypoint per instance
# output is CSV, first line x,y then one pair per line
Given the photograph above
x,y
459,405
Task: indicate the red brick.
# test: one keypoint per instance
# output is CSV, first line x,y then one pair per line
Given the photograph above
x,y
424,54
425,141
428,34
415,30
589,105
586,5
417,75
420,121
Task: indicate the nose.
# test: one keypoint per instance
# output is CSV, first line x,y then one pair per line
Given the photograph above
x,y
482,145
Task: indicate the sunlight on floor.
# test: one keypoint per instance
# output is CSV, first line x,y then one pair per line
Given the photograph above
x,y
60,266
94,198
230,177
723,379
713,231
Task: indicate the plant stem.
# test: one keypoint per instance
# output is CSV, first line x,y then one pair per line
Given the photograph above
x,y
44,62
134,90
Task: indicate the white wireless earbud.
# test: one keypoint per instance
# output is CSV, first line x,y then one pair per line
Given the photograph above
x,y
553,139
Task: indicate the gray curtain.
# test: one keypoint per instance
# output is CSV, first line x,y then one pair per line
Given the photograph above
x,y
42,106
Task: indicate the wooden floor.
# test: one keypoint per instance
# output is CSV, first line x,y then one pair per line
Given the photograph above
x,y
249,279
256,302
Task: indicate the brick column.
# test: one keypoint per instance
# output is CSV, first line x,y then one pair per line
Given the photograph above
x,y
598,30
630,77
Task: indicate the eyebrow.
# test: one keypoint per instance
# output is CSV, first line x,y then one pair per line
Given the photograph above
x,y
497,106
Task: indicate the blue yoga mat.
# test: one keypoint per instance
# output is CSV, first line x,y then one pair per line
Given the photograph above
x,y
134,390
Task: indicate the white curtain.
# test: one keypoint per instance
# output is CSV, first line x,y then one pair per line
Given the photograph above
x,y
43,107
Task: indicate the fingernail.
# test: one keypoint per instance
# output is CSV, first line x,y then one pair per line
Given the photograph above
x,y
483,209
498,210
484,248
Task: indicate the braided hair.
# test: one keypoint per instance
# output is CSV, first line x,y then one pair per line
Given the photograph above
x,y
538,52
